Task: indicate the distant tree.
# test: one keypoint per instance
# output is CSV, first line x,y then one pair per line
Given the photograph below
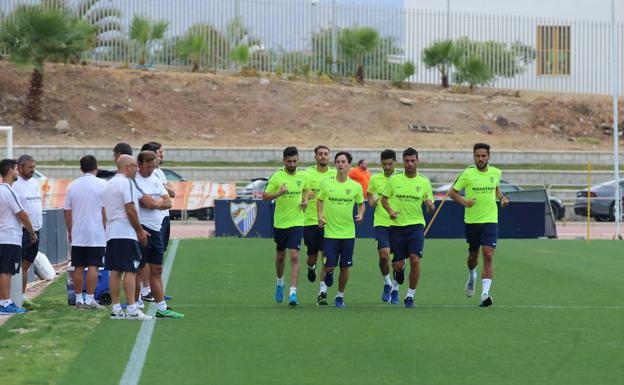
x,y
33,34
472,71
442,55
240,55
504,60
406,70
191,47
355,43
145,33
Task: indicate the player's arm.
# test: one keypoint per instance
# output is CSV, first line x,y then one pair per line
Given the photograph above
x,y
504,199
305,197
456,196
360,215
68,223
104,217
372,200
150,202
170,190
133,217
25,220
319,212
269,196
386,205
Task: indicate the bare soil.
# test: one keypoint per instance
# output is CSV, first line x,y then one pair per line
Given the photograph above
x,y
107,105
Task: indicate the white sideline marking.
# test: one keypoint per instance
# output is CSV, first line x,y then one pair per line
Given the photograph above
x,y
133,370
442,306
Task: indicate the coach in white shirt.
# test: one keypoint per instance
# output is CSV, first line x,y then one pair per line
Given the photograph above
x,y
85,220
155,199
29,192
12,218
123,235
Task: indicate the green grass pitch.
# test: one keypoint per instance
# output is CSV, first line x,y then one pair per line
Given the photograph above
x,y
558,318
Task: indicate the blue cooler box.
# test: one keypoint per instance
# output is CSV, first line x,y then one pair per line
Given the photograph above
x,y
102,292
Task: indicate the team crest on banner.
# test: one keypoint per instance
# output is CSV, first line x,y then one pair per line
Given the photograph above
x,y
243,216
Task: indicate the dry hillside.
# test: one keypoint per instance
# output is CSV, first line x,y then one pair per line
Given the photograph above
x,y
107,105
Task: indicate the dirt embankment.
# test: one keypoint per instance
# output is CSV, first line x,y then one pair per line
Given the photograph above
x,y
105,105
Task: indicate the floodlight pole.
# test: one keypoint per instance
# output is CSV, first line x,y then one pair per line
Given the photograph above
x,y
616,136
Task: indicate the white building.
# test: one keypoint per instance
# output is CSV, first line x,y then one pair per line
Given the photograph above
x,y
571,38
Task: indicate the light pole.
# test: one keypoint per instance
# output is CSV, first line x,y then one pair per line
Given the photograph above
x,y
334,42
448,19
616,159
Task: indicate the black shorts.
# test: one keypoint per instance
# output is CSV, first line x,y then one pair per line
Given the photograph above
x,y
313,238
29,249
406,240
153,252
382,236
165,232
122,255
10,259
481,234
289,238
339,252
87,256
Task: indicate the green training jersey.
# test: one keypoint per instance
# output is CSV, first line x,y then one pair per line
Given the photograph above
x,y
406,196
288,212
376,187
314,181
480,186
338,200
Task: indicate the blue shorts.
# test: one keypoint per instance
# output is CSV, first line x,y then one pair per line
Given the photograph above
x,y
289,238
29,249
481,234
10,259
406,240
382,236
122,255
154,251
338,252
313,238
87,256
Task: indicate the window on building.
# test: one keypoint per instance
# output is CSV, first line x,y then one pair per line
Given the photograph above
x,y
553,50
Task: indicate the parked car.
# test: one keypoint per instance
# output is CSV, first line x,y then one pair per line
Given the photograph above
x,y
253,190
602,204
556,204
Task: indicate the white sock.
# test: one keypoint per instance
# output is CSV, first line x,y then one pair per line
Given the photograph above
x,y
145,290
24,297
340,294
280,281
5,302
116,307
313,267
89,299
410,293
486,286
472,274
162,306
132,309
79,298
323,287
395,285
386,279
292,290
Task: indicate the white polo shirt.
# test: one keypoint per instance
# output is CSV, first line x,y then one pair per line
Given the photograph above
x,y
84,199
29,193
119,191
163,180
151,218
10,225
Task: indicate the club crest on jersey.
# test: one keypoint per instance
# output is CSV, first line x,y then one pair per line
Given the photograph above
x,y
298,183
492,179
348,191
243,216
417,189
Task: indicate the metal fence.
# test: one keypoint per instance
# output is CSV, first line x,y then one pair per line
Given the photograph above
x,y
303,37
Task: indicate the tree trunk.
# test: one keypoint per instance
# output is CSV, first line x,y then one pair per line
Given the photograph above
x,y
35,96
445,82
195,67
359,75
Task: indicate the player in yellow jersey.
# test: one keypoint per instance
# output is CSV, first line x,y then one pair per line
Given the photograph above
x,y
289,188
382,223
334,207
481,185
403,199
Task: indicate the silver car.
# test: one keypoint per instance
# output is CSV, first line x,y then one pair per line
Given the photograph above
x,y
602,201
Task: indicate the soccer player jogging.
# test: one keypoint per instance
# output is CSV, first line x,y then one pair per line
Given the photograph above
x,y
312,233
29,192
12,218
382,223
335,213
289,188
154,200
403,199
85,221
123,236
481,184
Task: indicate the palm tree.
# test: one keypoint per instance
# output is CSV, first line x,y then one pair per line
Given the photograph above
x,y
191,47
33,34
240,55
442,55
356,43
145,32
472,70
